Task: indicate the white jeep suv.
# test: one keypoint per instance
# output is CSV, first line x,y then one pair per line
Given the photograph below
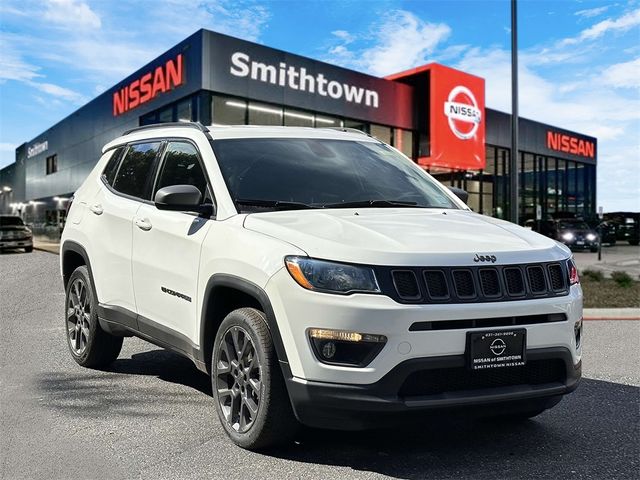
x,y
319,277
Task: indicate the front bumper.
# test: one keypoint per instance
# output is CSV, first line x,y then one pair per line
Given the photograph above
x,y
28,242
296,310
352,407
580,244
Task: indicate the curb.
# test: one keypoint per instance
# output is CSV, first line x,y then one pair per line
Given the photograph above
x,y
611,314
48,249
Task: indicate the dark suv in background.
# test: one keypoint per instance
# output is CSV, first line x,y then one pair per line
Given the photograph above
x,y
627,226
573,232
15,234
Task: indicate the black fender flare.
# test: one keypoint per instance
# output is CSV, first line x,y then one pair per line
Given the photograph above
x,y
250,288
71,246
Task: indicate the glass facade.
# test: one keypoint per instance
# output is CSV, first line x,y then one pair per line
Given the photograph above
x,y
559,187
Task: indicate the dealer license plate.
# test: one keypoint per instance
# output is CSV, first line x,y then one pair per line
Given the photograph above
x,y
497,349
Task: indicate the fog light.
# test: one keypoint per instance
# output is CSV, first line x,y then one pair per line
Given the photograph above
x,y
329,350
340,347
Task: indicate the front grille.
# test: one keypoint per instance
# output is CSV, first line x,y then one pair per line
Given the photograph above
x,y
557,277
537,281
463,280
473,284
406,284
515,282
447,380
436,284
490,282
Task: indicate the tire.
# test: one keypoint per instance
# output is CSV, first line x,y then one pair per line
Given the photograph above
x,y
593,250
635,243
28,249
251,401
90,346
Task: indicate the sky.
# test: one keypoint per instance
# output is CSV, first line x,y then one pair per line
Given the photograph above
x,y
579,60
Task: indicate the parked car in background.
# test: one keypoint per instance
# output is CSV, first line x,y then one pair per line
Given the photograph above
x,y
14,233
573,232
606,230
627,226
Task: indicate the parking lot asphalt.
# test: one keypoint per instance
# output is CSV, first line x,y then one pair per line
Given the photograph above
x,y
621,257
151,415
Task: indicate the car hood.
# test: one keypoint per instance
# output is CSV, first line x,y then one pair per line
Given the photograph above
x,y
400,236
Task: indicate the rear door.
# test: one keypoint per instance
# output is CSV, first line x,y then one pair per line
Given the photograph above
x,y
166,252
125,185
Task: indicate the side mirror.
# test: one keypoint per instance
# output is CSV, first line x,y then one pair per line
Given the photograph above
x,y
181,198
461,194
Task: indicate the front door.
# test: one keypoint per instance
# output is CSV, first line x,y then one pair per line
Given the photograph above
x,y
166,253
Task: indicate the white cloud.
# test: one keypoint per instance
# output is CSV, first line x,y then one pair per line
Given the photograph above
x,y
401,41
59,92
343,35
13,66
621,24
72,13
592,12
8,147
623,75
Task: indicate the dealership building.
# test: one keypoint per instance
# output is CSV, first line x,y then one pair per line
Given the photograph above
x,y
434,114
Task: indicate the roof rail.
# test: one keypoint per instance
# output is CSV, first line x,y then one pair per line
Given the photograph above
x,y
197,125
347,129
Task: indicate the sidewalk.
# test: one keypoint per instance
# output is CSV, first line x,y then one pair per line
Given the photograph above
x,y
611,314
614,259
46,245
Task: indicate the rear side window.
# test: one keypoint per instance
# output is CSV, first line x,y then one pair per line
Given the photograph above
x,y
109,173
181,167
136,168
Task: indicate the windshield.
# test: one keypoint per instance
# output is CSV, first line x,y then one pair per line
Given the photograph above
x,y
320,173
573,225
11,222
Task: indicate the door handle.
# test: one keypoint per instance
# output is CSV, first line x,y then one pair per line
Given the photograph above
x,y
143,223
97,209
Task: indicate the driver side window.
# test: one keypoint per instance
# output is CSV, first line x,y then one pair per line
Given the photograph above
x,y
181,166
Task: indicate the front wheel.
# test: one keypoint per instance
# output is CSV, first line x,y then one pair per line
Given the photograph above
x,y
90,346
248,387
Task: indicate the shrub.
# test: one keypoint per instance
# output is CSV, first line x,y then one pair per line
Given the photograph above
x,y
623,279
595,275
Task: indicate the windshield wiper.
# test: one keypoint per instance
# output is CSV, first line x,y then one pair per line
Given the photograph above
x,y
277,204
371,203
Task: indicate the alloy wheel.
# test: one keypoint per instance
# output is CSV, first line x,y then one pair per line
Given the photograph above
x,y
78,314
238,379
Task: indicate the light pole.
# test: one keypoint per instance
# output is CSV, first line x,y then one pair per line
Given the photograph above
x,y
514,157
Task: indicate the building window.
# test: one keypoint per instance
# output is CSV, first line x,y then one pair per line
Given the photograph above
x,y
264,114
381,133
52,164
184,111
228,111
296,118
403,141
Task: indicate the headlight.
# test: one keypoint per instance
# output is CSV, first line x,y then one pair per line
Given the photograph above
x,y
591,237
323,276
567,236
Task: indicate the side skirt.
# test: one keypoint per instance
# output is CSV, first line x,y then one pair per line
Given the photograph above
x,y
122,322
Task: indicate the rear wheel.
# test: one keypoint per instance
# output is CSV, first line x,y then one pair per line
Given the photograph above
x,y
90,346
248,387
28,249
